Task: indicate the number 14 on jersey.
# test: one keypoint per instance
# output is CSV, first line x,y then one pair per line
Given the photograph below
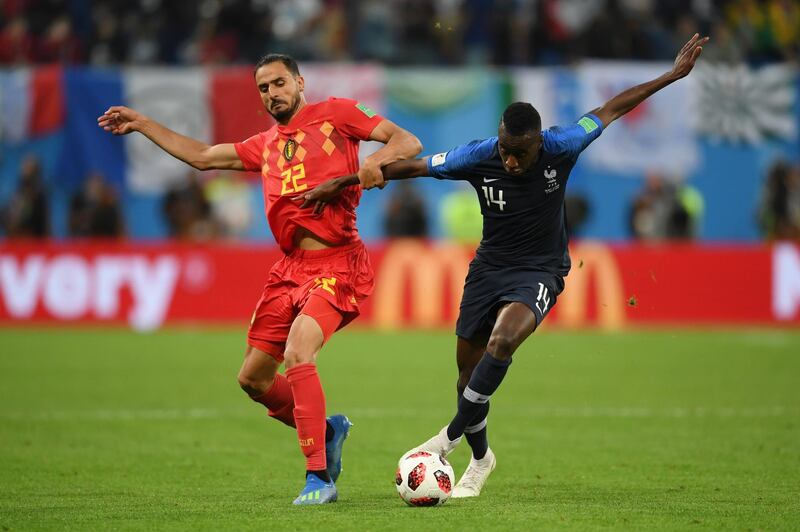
x,y
488,193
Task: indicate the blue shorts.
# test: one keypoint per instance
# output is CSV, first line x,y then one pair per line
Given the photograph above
x,y
487,288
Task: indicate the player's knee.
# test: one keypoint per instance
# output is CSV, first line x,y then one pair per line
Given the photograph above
x,y
501,345
253,386
293,357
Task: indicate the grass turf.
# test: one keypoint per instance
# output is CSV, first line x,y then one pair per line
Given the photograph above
x,y
104,430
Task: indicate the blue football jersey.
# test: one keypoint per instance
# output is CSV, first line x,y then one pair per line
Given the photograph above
x,y
524,222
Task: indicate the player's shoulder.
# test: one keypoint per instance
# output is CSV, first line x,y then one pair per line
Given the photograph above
x,y
336,100
270,135
479,149
551,139
263,137
335,106
560,138
464,156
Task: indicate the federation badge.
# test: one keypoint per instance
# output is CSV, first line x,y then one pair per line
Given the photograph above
x,y
289,150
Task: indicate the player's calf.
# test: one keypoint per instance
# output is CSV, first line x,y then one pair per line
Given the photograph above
x,y
485,380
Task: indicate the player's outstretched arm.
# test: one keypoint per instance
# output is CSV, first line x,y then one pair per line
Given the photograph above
x,y
400,145
328,191
121,120
627,100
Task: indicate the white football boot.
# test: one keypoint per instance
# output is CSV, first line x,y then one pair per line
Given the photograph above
x,y
439,444
475,476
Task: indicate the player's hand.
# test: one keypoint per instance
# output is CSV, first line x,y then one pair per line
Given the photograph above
x,y
320,196
684,62
370,175
120,120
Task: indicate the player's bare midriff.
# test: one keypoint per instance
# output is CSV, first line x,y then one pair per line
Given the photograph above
x,y
305,239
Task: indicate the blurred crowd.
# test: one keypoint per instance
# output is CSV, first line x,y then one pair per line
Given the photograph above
x,y
220,207
779,212
195,210
503,32
666,209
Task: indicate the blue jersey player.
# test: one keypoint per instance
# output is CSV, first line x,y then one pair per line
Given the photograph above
x,y
519,268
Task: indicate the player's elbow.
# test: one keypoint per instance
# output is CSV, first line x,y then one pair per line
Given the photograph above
x,y
411,145
414,145
201,161
200,165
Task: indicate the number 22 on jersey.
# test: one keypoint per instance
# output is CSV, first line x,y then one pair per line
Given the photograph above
x,y
291,177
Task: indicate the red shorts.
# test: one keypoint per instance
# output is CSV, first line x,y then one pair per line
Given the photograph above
x,y
326,284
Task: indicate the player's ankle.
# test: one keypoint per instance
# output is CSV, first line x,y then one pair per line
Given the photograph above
x,y
452,436
321,474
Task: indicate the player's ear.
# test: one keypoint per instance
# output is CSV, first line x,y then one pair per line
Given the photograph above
x,y
301,83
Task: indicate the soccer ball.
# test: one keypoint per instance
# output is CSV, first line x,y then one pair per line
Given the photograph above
x,y
424,479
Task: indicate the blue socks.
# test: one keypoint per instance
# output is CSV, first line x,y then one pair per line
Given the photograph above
x,y
475,433
473,405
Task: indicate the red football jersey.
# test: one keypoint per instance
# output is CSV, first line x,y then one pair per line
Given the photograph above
x,y
319,143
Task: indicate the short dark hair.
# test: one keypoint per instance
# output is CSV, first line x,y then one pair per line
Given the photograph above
x,y
520,118
287,60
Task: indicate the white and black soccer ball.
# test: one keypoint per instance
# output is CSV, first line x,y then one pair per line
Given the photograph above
x,y
424,479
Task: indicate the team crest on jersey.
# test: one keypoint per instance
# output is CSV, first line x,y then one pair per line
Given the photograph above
x,y
552,185
289,150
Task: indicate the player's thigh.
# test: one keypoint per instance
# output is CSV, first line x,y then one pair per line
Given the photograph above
x,y
515,322
272,319
324,311
310,330
258,370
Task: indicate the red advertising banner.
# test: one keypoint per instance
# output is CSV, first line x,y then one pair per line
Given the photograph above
x,y
418,284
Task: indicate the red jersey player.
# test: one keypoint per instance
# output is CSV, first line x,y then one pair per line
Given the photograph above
x,y
316,288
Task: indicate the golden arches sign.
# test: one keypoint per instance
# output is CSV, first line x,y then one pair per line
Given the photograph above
x,y
429,267
437,271
595,260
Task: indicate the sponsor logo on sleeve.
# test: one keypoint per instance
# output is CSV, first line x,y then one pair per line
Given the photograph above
x,y
587,124
366,110
438,159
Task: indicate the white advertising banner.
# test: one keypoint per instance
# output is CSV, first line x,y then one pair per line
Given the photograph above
x,y
658,135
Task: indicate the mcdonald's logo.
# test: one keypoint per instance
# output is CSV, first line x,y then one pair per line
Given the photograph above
x,y
598,261
418,282
431,275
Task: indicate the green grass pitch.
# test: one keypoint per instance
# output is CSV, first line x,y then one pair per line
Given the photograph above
x,y
675,429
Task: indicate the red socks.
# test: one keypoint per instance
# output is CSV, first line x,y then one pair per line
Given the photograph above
x,y
306,413
278,400
309,413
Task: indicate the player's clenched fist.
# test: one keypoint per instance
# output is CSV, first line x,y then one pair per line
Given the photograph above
x,y
120,120
371,176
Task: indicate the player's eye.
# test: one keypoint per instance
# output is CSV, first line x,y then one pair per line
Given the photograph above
x,y
512,153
